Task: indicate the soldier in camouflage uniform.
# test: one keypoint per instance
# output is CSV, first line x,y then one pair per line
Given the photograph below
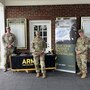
x,y
39,47
9,42
81,49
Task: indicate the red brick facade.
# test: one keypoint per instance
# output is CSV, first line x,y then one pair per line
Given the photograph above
x,y
49,12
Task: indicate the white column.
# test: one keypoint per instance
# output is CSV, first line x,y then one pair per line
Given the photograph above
x,y
2,31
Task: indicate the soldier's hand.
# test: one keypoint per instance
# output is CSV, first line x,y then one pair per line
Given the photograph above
x,y
42,53
78,52
9,46
35,53
39,53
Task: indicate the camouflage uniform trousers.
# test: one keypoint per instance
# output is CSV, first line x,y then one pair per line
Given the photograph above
x,y
40,58
82,63
7,56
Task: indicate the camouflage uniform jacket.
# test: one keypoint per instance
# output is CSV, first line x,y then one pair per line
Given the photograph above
x,y
82,44
38,44
8,39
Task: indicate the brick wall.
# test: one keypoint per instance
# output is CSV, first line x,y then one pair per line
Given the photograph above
x,y
49,12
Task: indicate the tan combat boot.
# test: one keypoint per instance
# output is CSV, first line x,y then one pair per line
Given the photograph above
x,y
5,70
44,76
84,75
38,75
79,73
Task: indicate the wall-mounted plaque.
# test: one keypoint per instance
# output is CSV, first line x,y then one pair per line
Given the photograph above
x,y
19,28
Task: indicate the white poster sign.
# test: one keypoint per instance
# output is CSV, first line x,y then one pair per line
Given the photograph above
x,y
85,25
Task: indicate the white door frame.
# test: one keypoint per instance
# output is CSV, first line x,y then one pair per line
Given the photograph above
x,y
31,31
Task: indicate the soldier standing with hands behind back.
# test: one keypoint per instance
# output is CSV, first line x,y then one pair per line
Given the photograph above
x,y
39,47
9,41
81,49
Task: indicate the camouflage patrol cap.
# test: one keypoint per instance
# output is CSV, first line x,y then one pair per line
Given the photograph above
x,y
80,30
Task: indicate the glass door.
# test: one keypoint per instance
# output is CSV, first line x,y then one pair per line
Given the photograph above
x,y
44,26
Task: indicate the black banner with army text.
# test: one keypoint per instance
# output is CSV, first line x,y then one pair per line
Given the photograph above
x,y
27,62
